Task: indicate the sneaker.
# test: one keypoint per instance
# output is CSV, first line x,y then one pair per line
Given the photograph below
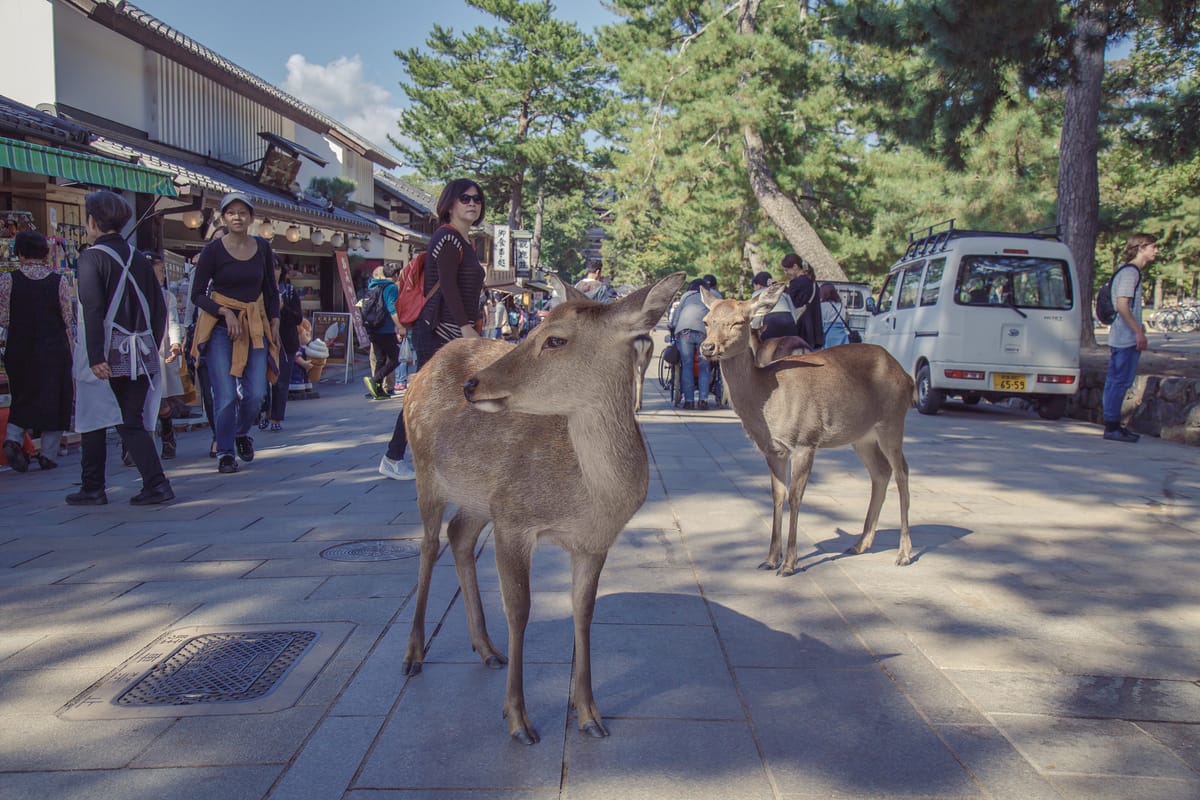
x,y
400,388
227,465
689,406
245,448
702,405
1120,435
86,498
396,470
263,422
374,390
151,497
1128,432
45,463
16,456
276,427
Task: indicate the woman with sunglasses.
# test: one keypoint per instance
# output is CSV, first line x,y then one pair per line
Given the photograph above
x,y
451,265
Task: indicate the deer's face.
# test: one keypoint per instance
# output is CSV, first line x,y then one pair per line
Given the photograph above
x,y
728,327
579,360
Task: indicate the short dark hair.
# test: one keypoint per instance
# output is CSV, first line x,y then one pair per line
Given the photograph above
x,y
710,281
761,279
391,269
108,209
792,260
450,196
31,244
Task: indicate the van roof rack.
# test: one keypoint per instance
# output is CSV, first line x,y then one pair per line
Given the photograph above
x,y
937,237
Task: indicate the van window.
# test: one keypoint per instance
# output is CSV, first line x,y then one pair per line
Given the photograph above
x,y
886,293
1025,281
933,282
909,285
852,298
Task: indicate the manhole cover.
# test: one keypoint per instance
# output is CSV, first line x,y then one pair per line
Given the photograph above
x,y
376,550
220,668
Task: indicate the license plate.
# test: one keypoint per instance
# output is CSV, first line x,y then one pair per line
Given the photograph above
x,y
1006,382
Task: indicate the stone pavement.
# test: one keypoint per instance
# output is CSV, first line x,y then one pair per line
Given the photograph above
x,y
1045,643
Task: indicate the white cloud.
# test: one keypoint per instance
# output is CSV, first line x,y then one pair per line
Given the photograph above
x,y
342,91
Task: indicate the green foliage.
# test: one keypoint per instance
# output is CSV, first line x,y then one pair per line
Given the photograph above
x,y
336,190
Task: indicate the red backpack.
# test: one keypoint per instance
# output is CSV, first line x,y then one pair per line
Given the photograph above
x,y
411,298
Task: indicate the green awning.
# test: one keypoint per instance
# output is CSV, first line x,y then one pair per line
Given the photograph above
x,y
92,170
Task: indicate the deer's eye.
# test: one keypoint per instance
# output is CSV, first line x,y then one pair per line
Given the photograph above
x,y
553,343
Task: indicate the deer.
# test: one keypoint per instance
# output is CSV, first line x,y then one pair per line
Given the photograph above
x,y
471,414
643,347
854,394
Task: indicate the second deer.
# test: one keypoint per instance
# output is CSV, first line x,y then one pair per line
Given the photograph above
x,y
472,413
854,394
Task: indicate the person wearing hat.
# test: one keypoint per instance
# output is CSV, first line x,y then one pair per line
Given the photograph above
x,y
781,319
237,330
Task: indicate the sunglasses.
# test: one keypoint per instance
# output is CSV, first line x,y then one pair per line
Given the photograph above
x,y
467,199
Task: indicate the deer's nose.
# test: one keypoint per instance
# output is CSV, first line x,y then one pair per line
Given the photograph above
x,y
469,388
707,349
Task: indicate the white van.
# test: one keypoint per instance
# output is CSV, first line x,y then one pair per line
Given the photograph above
x,y
855,299
983,315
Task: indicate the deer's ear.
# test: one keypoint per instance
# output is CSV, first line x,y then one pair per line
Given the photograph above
x,y
708,298
646,306
564,290
765,300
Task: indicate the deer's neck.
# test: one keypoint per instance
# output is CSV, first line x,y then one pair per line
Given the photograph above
x,y
748,386
612,456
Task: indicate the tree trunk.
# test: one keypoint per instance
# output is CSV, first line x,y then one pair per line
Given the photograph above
x,y
535,246
803,238
1078,172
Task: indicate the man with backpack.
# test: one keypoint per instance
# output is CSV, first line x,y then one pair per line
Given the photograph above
x,y
1127,335
379,317
595,287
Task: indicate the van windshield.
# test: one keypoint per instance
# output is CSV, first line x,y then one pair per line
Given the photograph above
x,y
1023,281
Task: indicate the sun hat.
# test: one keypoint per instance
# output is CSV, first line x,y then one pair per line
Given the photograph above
x,y
233,197
317,349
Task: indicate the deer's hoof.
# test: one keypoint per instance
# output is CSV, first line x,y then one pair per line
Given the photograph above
x,y
594,729
495,662
768,564
786,571
853,551
411,668
903,560
526,736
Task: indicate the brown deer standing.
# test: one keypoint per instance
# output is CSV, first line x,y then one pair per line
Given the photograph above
x,y
565,391
643,347
854,394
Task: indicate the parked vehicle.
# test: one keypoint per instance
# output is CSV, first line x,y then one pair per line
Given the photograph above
x,y
983,315
856,299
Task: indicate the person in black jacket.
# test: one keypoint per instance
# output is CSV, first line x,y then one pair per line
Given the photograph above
x,y
117,387
802,288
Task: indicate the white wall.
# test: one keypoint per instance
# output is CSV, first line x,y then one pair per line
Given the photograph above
x,y
27,53
99,71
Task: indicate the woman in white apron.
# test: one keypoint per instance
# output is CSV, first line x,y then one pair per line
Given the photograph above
x,y
116,366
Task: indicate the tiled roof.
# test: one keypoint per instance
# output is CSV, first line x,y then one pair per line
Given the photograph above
x,y
19,118
413,195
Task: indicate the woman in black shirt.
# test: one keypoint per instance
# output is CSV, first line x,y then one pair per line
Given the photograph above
x,y
451,264
238,326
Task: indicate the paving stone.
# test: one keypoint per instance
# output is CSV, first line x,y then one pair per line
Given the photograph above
x,y
1081,695
46,743
1087,787
232,739
449,703
667,758
996,765
209,783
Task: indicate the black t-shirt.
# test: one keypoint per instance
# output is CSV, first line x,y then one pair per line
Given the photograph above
x,y
241,280
452,260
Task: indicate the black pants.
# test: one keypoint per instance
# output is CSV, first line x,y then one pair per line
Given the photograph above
x,y
275,404
425,343
131,397
387,355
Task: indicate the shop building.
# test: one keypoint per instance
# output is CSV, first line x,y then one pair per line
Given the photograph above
x,y
151,97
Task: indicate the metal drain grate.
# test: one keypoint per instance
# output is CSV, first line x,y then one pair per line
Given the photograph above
x,y
220,668
372,550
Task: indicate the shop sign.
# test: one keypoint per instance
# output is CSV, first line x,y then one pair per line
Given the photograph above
x,y
500,249
343,264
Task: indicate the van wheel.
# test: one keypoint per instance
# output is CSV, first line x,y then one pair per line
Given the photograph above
x,y
1052,408
929,400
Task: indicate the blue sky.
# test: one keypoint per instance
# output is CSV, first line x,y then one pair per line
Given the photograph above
x,y
337,56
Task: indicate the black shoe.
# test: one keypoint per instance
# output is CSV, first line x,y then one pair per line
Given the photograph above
x,y
86,498
151,497
263,422
1119,435
166,432
45,463
227,464
245,448
702,405
689,405
16,456
1128,432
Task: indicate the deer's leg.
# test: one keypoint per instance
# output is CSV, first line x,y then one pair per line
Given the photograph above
x,y
778,464
802,461
895,457
880,471
463,533
431,515
512,562
585,577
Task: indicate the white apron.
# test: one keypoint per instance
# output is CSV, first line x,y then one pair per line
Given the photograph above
x,y
95,404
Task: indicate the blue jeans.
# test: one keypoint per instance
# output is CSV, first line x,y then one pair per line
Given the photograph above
x,y
688,342
236,401
1122,369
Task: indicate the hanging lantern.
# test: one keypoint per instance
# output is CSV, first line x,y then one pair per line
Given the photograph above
x,y
266,230
337,240
317,237
293,233
365,243
193,219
